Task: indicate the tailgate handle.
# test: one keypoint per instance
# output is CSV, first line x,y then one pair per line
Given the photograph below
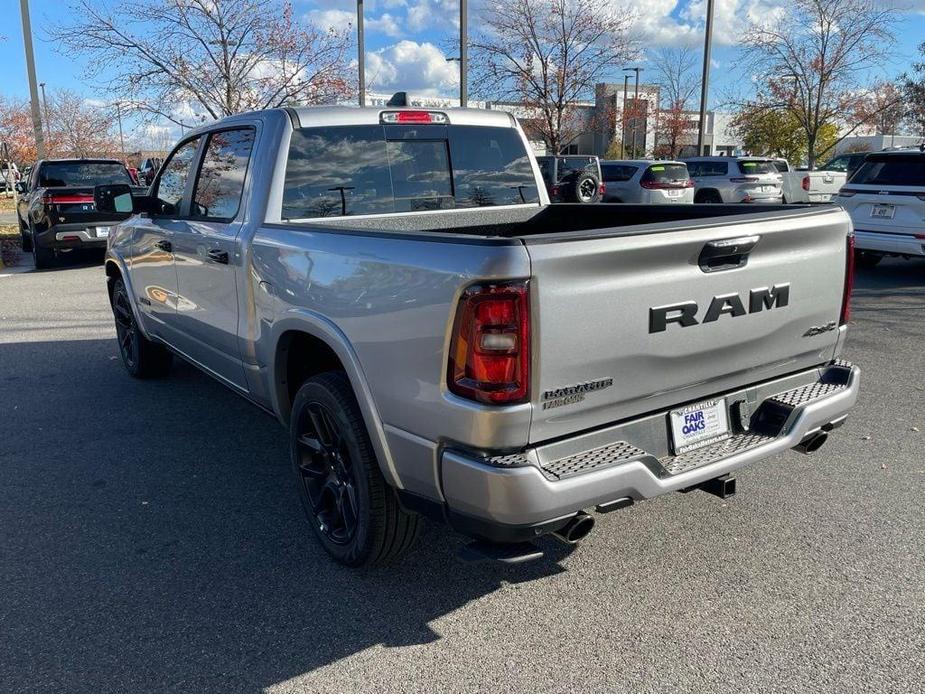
x,y
727,254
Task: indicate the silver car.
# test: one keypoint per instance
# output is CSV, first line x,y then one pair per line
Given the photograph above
x,y
646,181
735,179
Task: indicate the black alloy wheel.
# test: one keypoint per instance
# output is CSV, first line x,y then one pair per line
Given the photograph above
x,y
327,474
126,328
352,510
141,357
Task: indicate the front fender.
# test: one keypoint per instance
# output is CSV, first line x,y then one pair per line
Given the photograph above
x,y
320,327
119,263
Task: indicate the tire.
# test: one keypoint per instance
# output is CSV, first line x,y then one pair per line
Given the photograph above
x,y
709,197
141,357
586,189
352,510
43,258
866,260
25,235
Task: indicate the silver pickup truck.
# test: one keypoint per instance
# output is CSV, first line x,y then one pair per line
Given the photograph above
x,y
393,285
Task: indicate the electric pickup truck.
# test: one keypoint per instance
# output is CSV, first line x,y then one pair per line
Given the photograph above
x,y
439,341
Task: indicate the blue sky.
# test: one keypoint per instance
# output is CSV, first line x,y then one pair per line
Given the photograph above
x,y
406,39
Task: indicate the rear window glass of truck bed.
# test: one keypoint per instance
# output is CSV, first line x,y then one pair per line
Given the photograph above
x,y
355,170
71,174
892,170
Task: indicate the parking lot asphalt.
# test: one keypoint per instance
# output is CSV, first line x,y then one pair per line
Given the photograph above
x,y
151,540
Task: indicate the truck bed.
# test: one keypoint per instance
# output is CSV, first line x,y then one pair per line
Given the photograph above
x,y
569,220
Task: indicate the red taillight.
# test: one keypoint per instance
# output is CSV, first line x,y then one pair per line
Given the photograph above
x,y
490,348
554,192
849,282
689,183
805,183
603,188
744,179
654,185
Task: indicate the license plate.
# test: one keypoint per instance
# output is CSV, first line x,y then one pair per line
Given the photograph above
x,y
102,232
698,425
883,211
674,193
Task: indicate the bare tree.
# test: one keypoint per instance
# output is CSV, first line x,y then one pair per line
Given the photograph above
x,y
80,127
188,60
674,71
548,54
814,57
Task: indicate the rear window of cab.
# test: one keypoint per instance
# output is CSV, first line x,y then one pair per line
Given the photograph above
x,y
757,167
376,169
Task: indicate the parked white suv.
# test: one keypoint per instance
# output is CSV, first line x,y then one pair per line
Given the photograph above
x,y
735,179
886,200
646,181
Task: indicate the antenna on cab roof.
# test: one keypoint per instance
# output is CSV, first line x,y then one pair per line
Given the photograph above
x,y
398,99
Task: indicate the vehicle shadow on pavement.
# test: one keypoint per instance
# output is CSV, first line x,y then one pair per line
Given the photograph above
x,y
152,539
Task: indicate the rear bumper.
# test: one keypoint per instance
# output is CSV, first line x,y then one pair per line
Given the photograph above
x,y
529,493
887,242
67,236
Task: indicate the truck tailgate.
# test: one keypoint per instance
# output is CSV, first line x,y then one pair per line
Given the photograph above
x,y
631,323
826,182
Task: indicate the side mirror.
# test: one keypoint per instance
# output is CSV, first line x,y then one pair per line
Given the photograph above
x,y
20,187
113,198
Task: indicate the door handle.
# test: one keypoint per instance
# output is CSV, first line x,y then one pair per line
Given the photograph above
x,y
164,245
216,255
727,254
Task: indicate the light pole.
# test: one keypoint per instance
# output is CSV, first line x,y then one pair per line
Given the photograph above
x,y
361,55
30,69
45,107
121,139
637,70
626,81
463,53
705,82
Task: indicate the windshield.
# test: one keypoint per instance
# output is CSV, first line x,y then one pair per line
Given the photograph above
x,y
757,167
73,174
892,170
375,169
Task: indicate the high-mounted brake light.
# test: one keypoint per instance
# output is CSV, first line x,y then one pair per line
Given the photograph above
x,y
413,117
805,183
490,347
52,199
849,282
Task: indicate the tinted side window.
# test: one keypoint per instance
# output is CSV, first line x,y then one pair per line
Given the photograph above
x,y
616,173
490,167
757,167
173,178
221,177
337,171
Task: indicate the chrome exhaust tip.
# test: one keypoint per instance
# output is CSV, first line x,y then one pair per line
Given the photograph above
x,y
576,529
812,443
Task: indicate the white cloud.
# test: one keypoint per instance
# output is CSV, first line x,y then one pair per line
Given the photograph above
x,y
433,14
421,68
338,20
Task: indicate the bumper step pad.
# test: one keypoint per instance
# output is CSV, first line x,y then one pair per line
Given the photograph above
x,y
767,426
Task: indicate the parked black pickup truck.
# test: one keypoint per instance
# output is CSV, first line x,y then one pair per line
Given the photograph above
x,y
56,213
